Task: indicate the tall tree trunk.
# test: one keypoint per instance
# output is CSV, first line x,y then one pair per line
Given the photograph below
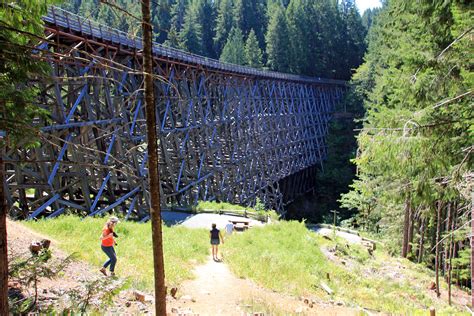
x,y
438,231
411,227
448,250
406,224
472,252
3,241
451,250
153,174
422,241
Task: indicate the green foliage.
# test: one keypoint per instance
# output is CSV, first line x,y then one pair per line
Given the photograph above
x,y
233,51
98,290
414,146
29,272
135,260
190,36
251,15
224,23
161,19
253,54
288,258
327,38
278,42
20,29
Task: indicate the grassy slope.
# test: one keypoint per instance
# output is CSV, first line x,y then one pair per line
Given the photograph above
x,y
182,246
287,257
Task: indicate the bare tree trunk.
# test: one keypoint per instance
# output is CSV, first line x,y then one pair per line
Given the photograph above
x,y
411,227
153,174
422,241
452,245
448,251
472,252
406,225
3,242
438,231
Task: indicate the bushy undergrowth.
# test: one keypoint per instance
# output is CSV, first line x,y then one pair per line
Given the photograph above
x,y
181,245
286,257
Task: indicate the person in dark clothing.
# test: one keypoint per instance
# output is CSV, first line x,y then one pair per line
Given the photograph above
x,y
216,238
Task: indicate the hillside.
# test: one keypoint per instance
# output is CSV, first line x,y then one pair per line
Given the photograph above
x,y
279,267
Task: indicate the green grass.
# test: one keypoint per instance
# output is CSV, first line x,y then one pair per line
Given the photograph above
x,y
286,257
183,247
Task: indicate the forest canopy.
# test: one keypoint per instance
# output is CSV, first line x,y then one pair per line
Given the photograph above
x,y
323,38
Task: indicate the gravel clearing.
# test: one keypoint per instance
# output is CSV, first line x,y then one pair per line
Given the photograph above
x,y
206,220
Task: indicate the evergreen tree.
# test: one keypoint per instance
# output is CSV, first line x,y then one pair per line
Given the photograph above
x,y
353,35
278,42
161,19
251,14
190,36
299,28
412,159
224,23
178,10
234,51
368,17
206,18
20,27
173,38
253,54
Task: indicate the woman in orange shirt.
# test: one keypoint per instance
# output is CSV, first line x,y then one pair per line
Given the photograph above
x,y
107,245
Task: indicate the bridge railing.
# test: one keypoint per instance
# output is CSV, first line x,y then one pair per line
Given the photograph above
x,y
76,23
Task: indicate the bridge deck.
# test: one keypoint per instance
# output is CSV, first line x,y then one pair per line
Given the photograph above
x,y
227,132
73,22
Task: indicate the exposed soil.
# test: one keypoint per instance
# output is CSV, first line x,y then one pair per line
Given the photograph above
x,y
215,291
72,280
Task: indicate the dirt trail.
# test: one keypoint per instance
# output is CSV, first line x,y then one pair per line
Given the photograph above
x,y
217,291
214,291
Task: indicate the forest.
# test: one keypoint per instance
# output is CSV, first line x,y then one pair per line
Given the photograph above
x,y
414,159
315,38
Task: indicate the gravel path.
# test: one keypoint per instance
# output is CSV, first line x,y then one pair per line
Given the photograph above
x,y
206,220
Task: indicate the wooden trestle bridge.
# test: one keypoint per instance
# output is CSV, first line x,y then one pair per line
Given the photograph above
x,y
226,132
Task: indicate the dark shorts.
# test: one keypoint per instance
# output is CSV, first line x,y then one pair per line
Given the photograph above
x,y
215,241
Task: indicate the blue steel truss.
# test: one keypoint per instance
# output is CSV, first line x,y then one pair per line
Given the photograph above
x,y
226,132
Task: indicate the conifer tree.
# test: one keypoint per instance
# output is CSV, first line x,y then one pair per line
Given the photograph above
x,y
251,14
278,43
298,14
234,50
413,164
190,36
253,54
161,19
178,10
20,27
206,15
224,23
173,38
